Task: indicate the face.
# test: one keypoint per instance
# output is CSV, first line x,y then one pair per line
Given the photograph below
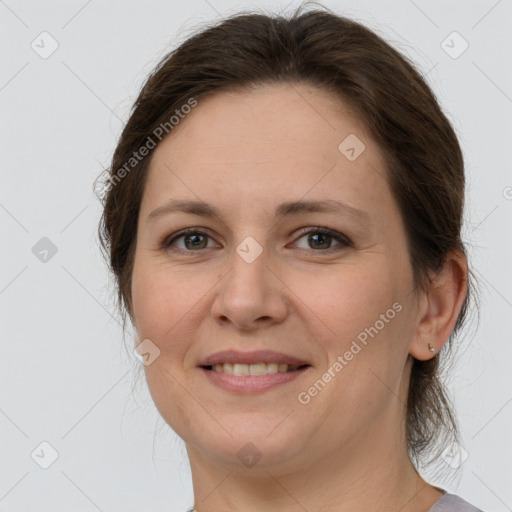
x,y
329,287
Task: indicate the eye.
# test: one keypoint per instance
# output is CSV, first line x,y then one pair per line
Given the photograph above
x,y
193,240
321,238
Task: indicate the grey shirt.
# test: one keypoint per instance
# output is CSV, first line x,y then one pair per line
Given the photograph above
x,y
446,503
452,503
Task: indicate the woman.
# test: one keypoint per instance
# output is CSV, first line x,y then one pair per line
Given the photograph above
x,y
283,219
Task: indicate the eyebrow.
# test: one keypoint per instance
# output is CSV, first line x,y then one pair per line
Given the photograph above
x,y
286,209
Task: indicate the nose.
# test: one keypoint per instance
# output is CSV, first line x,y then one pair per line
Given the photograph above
x,y
251,295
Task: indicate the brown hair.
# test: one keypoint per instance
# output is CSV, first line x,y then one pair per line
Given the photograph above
x,y
424,160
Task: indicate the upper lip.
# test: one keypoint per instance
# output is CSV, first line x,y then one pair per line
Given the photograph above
x,y
257,356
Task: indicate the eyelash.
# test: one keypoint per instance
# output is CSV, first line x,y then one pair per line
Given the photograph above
x,y
166,244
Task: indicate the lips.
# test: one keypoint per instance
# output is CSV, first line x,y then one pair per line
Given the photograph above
x,y
254,357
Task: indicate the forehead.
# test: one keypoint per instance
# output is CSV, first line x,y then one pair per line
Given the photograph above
x,y
254,143
279,115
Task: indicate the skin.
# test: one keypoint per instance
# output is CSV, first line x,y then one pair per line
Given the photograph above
x,y
246,152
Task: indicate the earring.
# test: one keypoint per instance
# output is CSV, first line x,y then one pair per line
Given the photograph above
x,y
431,347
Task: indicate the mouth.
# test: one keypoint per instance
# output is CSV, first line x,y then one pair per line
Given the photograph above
x,y
255,369
254,378
251,372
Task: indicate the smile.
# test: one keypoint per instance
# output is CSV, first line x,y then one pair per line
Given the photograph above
x,y
250,379
242,370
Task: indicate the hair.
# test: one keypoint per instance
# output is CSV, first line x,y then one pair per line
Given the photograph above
x,y
425,168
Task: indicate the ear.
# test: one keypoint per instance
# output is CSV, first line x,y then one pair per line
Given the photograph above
x,y
439,308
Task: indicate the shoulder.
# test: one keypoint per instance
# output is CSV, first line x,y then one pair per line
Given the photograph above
x,y
453,503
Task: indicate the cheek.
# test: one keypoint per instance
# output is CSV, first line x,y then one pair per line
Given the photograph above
x,y
348,300
169,398
149,298
362,333
160,297
169,306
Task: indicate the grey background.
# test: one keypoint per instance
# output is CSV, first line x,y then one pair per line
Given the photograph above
x,y
65,377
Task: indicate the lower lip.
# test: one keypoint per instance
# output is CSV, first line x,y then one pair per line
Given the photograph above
x,y
251,383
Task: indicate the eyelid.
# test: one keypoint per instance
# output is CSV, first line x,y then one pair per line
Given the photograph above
x,y
168,240
340,237
343,240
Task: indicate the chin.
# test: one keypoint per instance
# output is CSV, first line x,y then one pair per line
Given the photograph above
x,y
255,445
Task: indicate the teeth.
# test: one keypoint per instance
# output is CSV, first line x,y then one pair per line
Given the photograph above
x,y
241,370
